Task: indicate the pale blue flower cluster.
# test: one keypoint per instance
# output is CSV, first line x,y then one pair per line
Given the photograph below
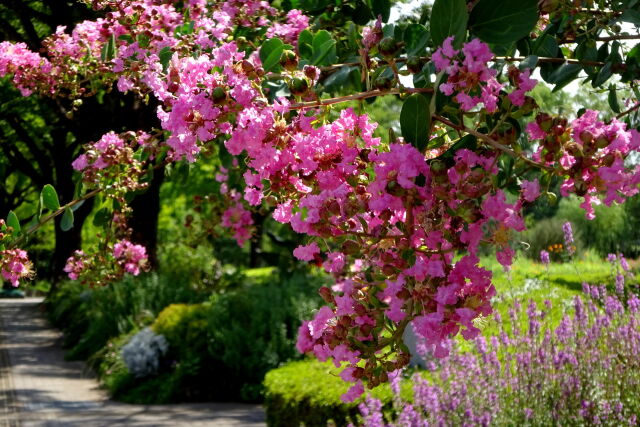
x,y
143,352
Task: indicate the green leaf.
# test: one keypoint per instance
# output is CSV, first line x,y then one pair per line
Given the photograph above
x,y
126,37
603,75
613,99
632,16
109,49
102,217
270,53
143,40
66,223
165,55
546,46
305,43
382,8
529,62
501,21
416,38
50,198
13,222
449,18
360,12
564,75
78,205
324,49
415,120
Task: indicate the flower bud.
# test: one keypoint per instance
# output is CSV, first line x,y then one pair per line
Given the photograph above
x,y
388,46
383,82
365,330
326,294
289,60
415,64
298,86
218,95
544,121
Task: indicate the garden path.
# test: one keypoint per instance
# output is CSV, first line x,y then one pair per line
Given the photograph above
x,y
39,388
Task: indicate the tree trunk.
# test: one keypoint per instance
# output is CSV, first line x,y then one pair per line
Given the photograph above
x,y
144,219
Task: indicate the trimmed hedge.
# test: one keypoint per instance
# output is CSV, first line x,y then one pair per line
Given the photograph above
x,y
308,392
219,349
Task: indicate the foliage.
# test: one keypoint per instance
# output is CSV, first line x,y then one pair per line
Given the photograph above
x,y
582,371
90,317
397,222
242,347
308,393
611,231
547,235
143,352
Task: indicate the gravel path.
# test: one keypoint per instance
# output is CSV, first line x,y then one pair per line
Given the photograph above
x,y
39,388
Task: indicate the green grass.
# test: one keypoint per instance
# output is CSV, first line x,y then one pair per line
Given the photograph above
x,y
309,391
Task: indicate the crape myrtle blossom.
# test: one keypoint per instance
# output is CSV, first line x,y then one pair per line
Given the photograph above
x,y
471,79
15,266
399,229
590,155
132,257
14,263
76,264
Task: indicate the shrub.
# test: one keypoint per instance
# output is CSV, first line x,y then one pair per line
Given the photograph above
x,y
143,352
90,317
547,235
216,350
308,392
254,329
607,233
184,326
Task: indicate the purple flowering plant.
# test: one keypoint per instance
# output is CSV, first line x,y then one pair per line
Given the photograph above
x,y
583,371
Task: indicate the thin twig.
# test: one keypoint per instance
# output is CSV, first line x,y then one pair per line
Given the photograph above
x,y
541,60
357,96
630,110
54,214
495,144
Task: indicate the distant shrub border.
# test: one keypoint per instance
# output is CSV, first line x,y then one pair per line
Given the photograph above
x,y
308,392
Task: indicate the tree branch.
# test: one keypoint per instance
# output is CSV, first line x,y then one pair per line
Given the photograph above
x,y
54,214
490,141
630,110
357,96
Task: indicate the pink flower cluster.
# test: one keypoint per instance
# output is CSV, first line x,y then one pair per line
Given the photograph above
x,y
590,155
406,206
111,160
238,219
15,265
133,258
471,79
76,264
288,32
29,69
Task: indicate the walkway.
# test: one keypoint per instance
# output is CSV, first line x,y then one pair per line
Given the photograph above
x,y
39,388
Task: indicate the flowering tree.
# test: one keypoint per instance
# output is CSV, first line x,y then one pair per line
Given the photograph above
x,y
397,223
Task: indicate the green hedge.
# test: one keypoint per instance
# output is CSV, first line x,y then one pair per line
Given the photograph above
x,y
308,392
219,349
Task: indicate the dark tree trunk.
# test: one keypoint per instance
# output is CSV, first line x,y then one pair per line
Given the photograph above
x,y
144,219
255,244
66,241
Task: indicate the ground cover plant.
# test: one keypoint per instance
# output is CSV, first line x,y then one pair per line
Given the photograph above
x,y
400,223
